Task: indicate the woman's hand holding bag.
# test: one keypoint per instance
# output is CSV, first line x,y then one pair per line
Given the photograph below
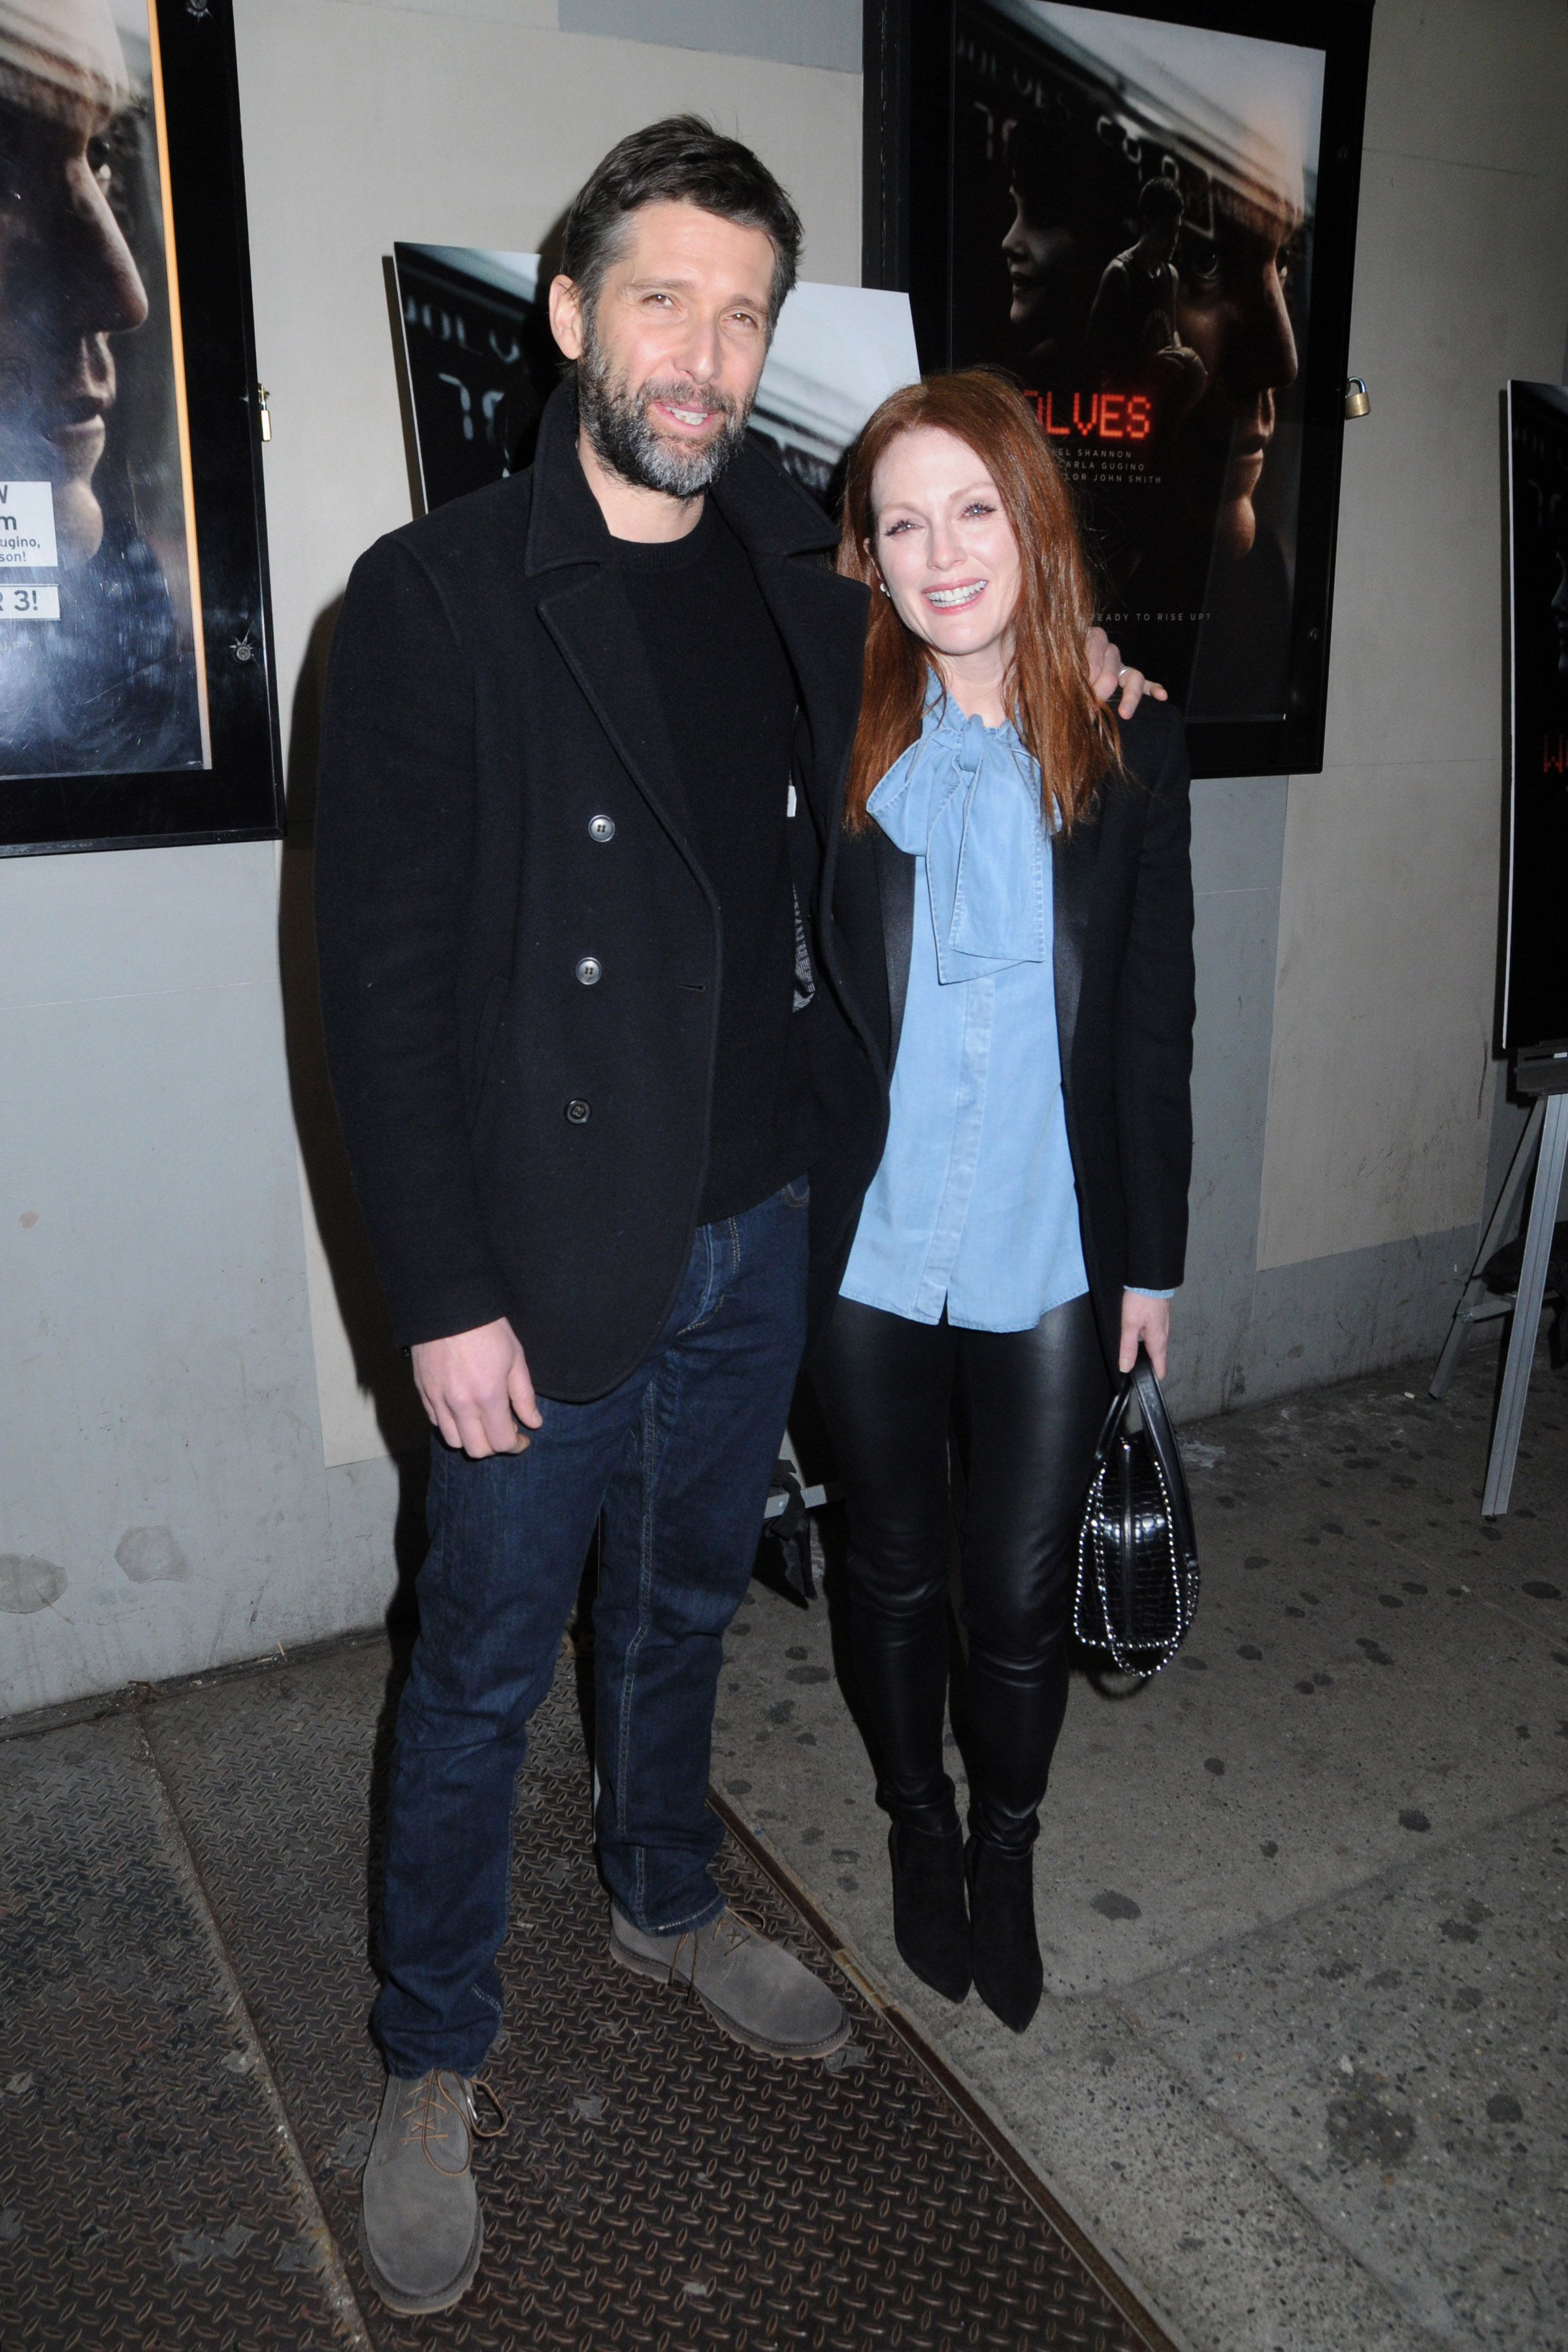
x,y
1137,1555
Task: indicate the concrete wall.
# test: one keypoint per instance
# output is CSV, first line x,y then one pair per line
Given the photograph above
x,y
201,1409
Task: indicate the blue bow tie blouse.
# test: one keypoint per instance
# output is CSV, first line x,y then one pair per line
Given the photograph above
x,y
974,1208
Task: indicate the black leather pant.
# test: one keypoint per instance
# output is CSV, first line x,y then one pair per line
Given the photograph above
x,y
1023,1409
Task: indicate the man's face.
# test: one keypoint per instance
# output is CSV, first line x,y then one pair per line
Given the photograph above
x,y
670,351
67,282
1233,312
1160,239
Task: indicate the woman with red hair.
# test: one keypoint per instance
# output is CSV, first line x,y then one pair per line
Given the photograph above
x,y
1016,897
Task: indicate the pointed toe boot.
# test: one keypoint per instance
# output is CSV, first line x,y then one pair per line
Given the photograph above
x,y
1009,1974
931,1916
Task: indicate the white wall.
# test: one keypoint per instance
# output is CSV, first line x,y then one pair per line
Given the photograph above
x,y
180,1487
1381,1089
1381,1100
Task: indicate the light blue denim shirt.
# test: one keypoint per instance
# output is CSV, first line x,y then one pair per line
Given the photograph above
x,y
974,1207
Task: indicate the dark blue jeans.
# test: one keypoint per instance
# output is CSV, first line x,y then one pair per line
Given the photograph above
x,y
679,1459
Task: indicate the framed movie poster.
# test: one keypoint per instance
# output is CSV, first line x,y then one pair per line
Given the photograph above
x,y
137,701
480,364
1535,959
1147,215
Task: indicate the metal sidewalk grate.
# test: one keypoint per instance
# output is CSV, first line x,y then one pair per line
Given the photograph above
x,y
142,2200
661,2189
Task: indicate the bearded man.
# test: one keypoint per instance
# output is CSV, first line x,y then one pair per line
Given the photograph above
x,y
609,1105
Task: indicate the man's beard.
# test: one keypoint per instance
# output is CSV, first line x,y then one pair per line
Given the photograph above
x,y
624,437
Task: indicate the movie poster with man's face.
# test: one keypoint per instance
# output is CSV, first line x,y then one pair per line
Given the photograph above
x,y
1134,209
101,667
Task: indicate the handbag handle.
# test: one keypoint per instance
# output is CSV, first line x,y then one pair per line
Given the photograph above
x,y
1143,1383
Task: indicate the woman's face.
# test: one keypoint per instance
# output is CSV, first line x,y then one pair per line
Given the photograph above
x,y
1042,269
943,545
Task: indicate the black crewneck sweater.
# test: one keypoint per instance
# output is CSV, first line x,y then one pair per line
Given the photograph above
x,y
729,700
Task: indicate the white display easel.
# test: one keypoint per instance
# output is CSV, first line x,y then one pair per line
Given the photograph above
x,y
1543,1147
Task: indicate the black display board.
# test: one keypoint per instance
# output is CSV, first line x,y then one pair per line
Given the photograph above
x,y
1535,959
1148,217
138,704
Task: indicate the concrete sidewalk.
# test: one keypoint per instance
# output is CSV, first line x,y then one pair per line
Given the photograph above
x,y
1298,2075
1300,2069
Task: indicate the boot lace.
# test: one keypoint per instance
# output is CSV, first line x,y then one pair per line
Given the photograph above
x,y
434,2111
731,1928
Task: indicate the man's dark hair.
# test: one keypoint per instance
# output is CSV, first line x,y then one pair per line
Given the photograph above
x,y
683,160
1158,200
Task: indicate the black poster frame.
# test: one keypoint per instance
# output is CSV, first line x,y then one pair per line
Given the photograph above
x,y
910,80
240,796
1532,996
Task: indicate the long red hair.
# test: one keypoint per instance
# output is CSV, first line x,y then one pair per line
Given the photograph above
x,y
1072,736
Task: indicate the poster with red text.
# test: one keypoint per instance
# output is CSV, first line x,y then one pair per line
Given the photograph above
x,y
1133,204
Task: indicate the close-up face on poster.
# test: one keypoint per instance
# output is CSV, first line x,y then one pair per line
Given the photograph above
x,y
1133,208
102,668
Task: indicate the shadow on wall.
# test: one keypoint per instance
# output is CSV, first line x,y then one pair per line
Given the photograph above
x,y
380,1366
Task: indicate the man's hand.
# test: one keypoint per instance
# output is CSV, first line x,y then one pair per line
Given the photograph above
x,y
475,1389
1107,671
1148,1320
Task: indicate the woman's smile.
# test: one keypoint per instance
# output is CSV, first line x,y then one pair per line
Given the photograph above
x,y
951,599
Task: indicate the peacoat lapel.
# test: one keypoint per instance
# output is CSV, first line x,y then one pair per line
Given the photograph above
x,y
595,627
591,620
896,895
1072,882
822,622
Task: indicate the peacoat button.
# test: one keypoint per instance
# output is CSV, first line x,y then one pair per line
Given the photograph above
x,y
602,828
577,1111
588,971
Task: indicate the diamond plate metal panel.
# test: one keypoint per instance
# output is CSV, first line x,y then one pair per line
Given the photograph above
x,y
660,2187
144,2201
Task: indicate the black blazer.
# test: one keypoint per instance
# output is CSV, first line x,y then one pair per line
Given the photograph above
x,y
522,1144
1122,900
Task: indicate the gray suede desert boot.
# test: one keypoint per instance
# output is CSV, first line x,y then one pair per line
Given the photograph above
x,y
756,1989
420,2229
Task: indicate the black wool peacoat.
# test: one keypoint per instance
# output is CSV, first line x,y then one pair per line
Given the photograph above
x,y
1122,904
519,952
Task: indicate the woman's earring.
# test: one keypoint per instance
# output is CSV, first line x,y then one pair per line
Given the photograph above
x,y
883,586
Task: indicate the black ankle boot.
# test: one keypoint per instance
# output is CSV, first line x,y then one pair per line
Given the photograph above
x,y
1008,1975
931,1919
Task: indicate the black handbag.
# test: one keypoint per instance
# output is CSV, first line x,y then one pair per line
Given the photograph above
x,y
1137,1555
